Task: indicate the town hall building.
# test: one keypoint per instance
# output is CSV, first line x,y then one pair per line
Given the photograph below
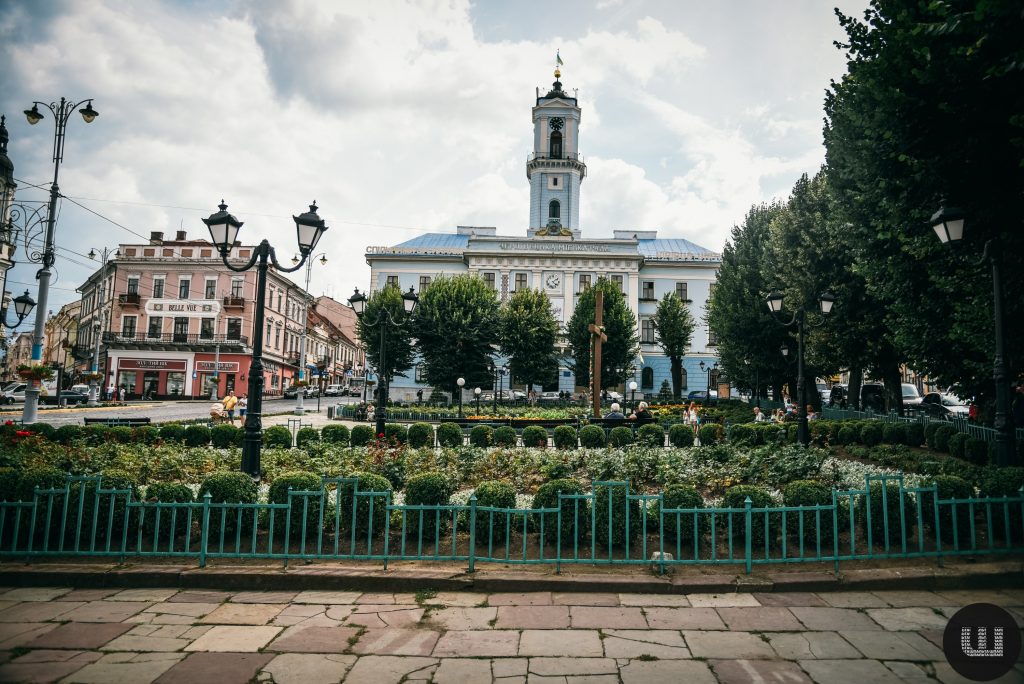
x,y
555,257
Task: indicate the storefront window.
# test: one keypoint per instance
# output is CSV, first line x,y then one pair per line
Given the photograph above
x,y
176,384
126,380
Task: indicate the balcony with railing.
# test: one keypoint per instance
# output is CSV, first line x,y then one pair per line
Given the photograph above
x,y
234,301
129,298
170,341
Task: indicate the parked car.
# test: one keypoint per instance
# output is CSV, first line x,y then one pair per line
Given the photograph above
x,y
947,406
549,397
68,396
312,391
872,396
290,392
333,391
911,395
613,396
700,395
15,393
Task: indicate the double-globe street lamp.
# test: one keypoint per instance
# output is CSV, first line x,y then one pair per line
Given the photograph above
x,y
948,223
709,370
799,319
224,231
62,112
358,304
301,394
499,373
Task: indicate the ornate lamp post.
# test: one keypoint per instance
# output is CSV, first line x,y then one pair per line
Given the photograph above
x,y
301,394
799,319
632,393
23,305
224,230
476,392
94,387
61,114
710,370
461,382
358,304
948,223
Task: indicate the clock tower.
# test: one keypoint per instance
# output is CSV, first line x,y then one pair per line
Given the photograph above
x,y
555,168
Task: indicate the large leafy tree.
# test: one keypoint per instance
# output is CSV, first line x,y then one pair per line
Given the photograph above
x,y
931,105
619,325
457,327
673,328
529,332
385,308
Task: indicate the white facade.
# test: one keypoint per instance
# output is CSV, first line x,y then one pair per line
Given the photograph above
x,y
554,258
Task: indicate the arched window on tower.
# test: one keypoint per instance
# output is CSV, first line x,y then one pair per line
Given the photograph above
x,y
647,378
554,210
556,145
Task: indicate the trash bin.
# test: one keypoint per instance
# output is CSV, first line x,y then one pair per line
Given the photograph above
x,y
330,412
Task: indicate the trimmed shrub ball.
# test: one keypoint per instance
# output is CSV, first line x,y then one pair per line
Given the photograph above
x,y
449,435
976,451
885,511
361,435
680,435
709,434
575,513
949,487
535,436
396,432
368,482
229,487
871,433
565,437
847,435
742,434
421,435
335,434
610,504
277,436
492,526
505,436
942,437
680,526
223,436
809,493
592,437
167,492
298,481
433,489
620,436
170,432
894,433
735,497
914,435
651,434
957,445
481,436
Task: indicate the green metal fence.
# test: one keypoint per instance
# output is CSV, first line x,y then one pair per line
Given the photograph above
x,y
971,429
609,525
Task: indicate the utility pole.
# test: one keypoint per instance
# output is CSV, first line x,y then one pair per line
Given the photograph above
x,y
598,336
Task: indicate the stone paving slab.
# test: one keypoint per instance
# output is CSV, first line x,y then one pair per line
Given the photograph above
x,y
314,640
746,671
308,668
657,643
38,611
232,638
411,642
849,672
727,645
645,672
598,617
243,614
79,635
14,635
908,619
222,668
45,666
581,643
683,618
477,644
833,619
129,668
761,619
463,618
532,617
105,611
391,669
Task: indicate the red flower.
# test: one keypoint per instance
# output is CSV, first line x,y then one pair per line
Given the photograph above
x,y
10,422
380,436
23,433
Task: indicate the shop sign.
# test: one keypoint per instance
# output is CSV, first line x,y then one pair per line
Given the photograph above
x,y
183,307
223,367
152,364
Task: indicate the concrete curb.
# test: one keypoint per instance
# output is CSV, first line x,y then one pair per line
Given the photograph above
x,y
310,577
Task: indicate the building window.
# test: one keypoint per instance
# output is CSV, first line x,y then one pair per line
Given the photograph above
x,y
211,289
681,291
270,329
156,327
424,283
556,145
181,330
234,329
554,181
647,292
419,373
392,281
554,209
712,338
236,287
647,331
184,285
617,281
133,285
584,282
489,279
206,329
520,281
682,378
279,301
277,338
158,288
647,378
128,326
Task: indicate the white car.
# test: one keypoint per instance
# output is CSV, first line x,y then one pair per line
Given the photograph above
x,y
333,390
911,395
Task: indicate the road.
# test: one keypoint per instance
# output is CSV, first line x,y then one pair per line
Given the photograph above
x,y
161,411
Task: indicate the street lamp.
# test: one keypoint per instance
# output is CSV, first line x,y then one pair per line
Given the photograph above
x,y
632,393
296,261
97,325
948,223
477,393
825,303
358,303
461,382
224,231
61,115
23,305
710,370
499,373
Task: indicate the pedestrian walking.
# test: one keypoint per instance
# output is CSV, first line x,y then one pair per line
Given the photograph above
x,y
242,405
230,402
691,416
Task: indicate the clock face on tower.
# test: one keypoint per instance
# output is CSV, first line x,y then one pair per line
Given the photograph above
x,y
553,281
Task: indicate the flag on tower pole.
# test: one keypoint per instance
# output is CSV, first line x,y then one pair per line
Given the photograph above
x,y
558,58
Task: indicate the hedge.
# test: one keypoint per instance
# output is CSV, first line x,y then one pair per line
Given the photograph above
x,y
535,436
223,435
547,497
592,437
949,487
620,436
709,434
809,493
298,481
368,482
434,489
565,437
891,493
610,504
742,433
229,487
396,432
494,494
335,434
914,436
362,435
942,437
735,497
169,432
421,435
167,492
678,527
505,436
448,435
651,434
481,436
277,436
680,435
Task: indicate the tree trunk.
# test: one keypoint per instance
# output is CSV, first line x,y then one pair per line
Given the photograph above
x,y
777,391
853,388
893,388
677,377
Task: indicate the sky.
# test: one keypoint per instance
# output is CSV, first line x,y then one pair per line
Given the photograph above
x,y
400,118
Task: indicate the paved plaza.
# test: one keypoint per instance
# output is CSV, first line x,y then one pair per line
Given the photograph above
x,y
51,634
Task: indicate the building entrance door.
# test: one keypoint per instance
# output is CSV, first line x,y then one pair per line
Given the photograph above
x,y
150,384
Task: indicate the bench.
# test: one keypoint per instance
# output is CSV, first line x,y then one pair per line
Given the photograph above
x,y
117,422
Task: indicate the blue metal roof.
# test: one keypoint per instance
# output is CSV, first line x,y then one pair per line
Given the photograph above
x,y
437,241
650,248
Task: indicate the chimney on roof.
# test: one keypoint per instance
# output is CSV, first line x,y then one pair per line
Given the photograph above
x,y
156,237
180,237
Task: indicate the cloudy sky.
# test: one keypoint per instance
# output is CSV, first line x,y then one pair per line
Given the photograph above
x,y
405,117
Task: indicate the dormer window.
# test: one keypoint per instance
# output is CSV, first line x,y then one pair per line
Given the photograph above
x,y
554,210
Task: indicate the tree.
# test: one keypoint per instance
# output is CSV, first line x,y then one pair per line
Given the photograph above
x,y
673,328
623,343
930,106
456,325
399,353
529,332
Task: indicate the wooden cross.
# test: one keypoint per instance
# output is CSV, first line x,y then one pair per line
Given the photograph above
x,y
597,336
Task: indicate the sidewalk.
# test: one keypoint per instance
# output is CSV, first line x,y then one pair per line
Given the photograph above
x,y
168,635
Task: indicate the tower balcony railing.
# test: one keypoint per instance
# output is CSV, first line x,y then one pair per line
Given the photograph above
x,y
535,156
